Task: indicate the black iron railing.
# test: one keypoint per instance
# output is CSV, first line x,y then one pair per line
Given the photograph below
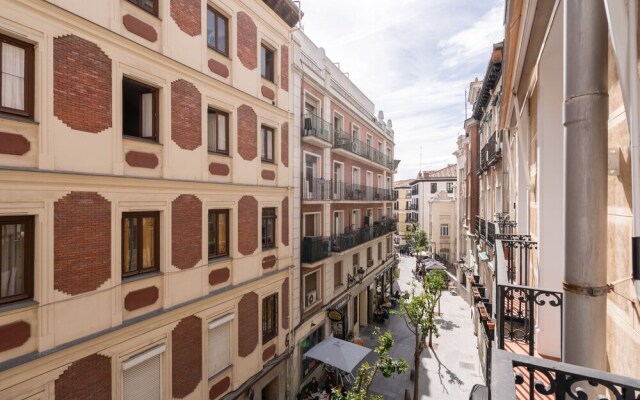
x,y
356,146
491,234
517,254
351,191
313,125
507,227
539,378
315,248
316,189
358,236
481,228
494,152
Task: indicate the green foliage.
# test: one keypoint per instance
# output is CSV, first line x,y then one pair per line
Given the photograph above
x,y
416,239
385,364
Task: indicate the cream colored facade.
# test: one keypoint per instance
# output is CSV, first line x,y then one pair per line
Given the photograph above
x,y
65,328
401,207
442,227
343,206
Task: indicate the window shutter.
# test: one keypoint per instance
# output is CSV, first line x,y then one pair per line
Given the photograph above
x,y
219,347
142,381
147,115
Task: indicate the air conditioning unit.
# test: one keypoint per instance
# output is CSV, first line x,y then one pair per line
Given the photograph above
x,y
310,298
369,263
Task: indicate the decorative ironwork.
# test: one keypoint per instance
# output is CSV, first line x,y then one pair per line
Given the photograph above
x,y
356,236
315,248
517,250
316,126
356,146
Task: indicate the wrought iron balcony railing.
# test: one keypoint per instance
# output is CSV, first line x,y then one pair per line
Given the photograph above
x,y
350,191
356,146
315,248
358,236
316,189
315,126
494,151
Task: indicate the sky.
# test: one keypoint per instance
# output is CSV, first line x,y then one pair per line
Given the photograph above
x,y
414,59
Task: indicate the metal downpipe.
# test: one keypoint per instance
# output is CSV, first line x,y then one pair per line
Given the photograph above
x,y
585,198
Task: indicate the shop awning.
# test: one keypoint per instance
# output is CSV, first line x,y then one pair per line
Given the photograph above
x,y
338,353
483,256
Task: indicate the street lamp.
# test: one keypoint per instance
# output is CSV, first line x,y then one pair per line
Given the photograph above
x,y
352,280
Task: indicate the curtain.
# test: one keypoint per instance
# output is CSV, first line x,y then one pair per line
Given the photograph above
x,y
147,115
222,234
13,68
12,260
211,130
129,241
148,242
222,132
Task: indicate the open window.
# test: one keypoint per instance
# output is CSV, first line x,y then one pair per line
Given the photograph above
x,y
139,110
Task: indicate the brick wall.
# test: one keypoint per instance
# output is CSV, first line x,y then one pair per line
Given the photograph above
x,y
248,320
186,115
247,225
86,378
186,231
82,242
247,41
284,144
284,67
186,14
247,133
81,84
285,221
186,356
285,303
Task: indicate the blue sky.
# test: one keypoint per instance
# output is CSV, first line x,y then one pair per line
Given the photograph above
x,y
413,59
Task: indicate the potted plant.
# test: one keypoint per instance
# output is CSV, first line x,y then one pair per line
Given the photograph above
x,y
350,335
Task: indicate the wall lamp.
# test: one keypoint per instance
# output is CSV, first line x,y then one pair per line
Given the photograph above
x,y
357,279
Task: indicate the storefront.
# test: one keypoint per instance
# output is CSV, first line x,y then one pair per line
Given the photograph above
x,y
309,364
337,314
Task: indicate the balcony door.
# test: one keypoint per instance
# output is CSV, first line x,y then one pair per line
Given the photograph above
x,y
369,184
311,116
312,188
338,178
338,223
312,226
369,149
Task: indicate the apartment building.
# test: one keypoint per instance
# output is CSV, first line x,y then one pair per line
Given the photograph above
x,y
402,195
344,244
435,188
145,199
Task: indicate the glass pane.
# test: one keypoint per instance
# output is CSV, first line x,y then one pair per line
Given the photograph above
x,y
211,38
222,234
222,132
130,245
147,115
269,145
12,261
263,61
212,234
221,26
148,242
211,130
13,73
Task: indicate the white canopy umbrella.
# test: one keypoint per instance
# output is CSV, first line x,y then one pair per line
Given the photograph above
x,y
338,353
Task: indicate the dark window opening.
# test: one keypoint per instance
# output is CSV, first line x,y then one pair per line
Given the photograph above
x,y
218,233
269,317
140,243
267,58
139,110
16,258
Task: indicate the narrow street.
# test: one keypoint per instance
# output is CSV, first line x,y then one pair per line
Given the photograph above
x,y
450,369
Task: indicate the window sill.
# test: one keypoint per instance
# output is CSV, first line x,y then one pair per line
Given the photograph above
x,y
21,305
218,153
221,259
270,162
219,52
140,139
139,277
220,373
269,249
310,306
18,118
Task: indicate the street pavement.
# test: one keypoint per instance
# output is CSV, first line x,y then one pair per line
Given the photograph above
x,y
450,369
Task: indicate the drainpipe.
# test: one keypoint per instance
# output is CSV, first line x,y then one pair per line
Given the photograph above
x,y
633,116
585,198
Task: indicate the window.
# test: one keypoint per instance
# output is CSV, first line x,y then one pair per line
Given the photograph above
x,y
150,6
267,58
16,84
380,251
369,256
337,123
217,31
444,230
267,144
311,289
337,274
269,317
355,260
16,258
434,187
139,110
218,233
268,228
140,243
449,187
309,364
217,131
220,344
142,375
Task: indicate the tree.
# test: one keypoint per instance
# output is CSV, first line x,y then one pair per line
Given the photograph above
x,y
417,239
418,311
385,364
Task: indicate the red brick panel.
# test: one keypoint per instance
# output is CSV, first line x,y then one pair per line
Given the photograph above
x,y
248,320
247,225
186,14
141,159
86,378
218,68
285,221
269,262
186,231
186,114
140,28
81,84
268,175
13,144
141,298
14,335
219,169
284,67
186,356
268,93
284,144
269,352
82,242
285,303
247,41
219,276
247,133
219,388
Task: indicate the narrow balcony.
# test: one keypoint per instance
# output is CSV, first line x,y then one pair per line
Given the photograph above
x,y
358,147
315,248
316,189
316,131
351,191
354,237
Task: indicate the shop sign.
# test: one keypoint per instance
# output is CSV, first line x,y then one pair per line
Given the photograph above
x,y
334,315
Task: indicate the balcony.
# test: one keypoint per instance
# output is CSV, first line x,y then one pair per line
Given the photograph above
x,y
350,191
316,131
481,228
354,237
315,248
316,189
360,148
490,154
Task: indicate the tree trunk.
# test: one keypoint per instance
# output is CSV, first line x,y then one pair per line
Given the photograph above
x,y
430,341
416,366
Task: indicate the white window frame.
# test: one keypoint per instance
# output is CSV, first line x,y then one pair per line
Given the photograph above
x,y
140,357
338,230
318,294
444,229
213,324
317,224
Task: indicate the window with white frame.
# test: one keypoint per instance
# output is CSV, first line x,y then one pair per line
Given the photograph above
x,y
444,230
142,375
338,222
220,343
312,292
312,224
